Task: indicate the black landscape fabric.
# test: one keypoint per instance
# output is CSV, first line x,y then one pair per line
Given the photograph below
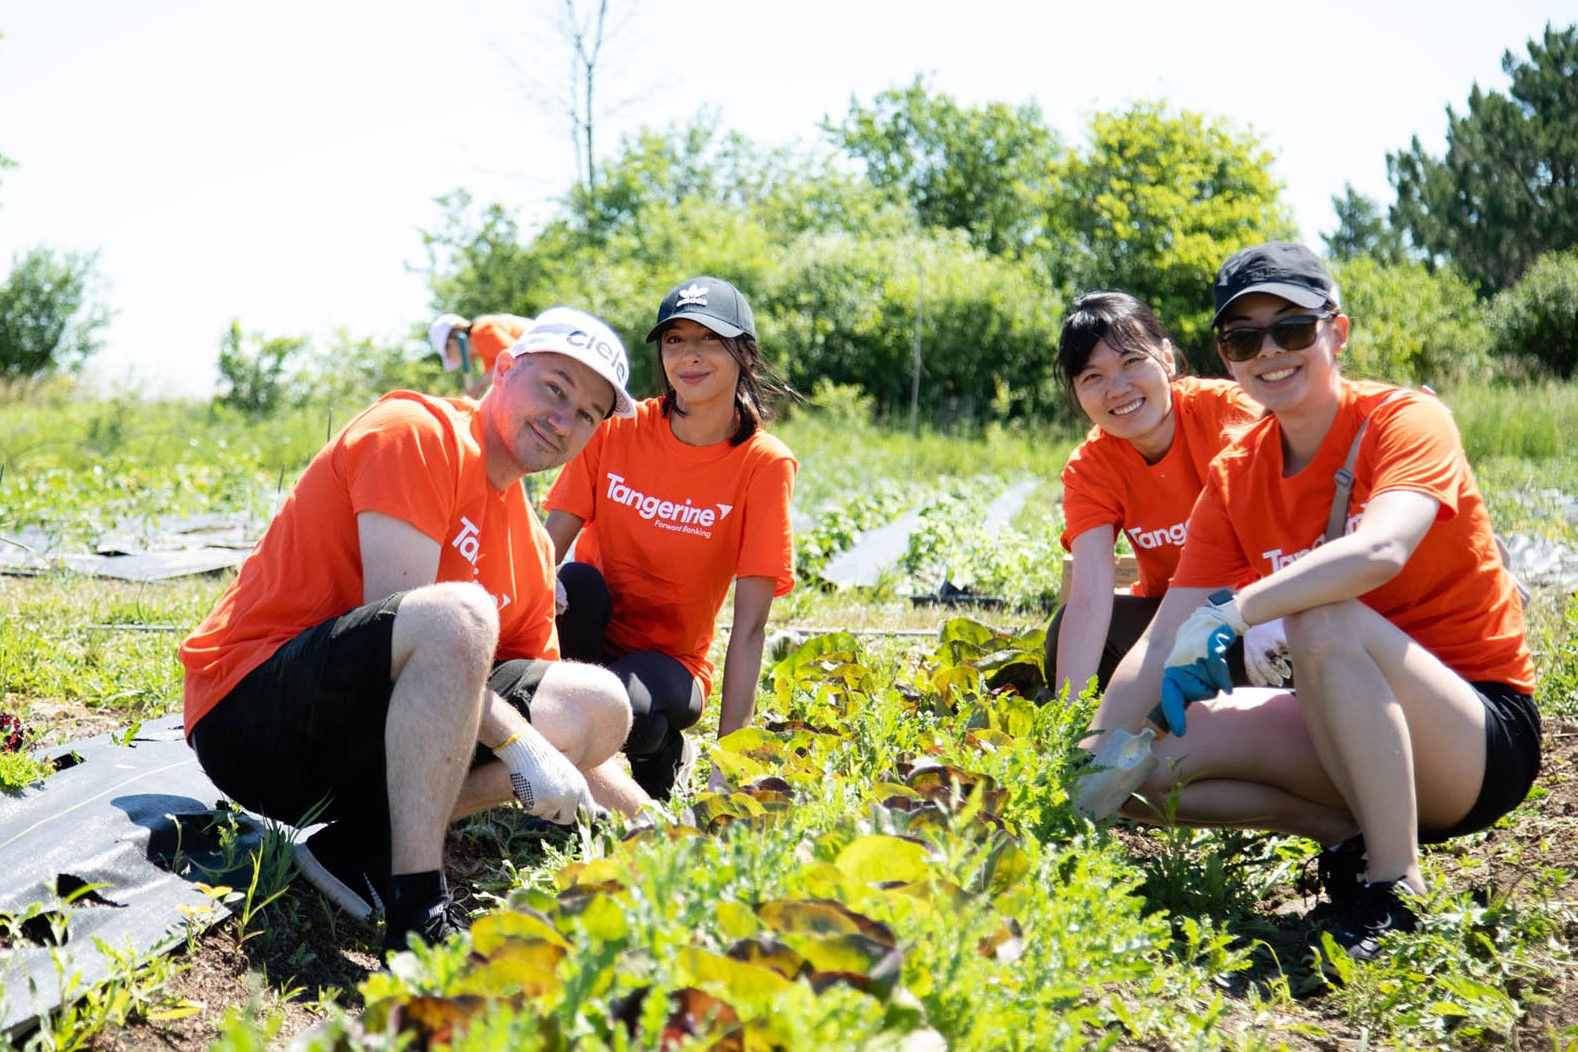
x,y
114,818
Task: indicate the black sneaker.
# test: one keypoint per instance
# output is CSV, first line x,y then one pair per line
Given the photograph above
x,y
338,862
671,765
439,921
1376,910
1339,873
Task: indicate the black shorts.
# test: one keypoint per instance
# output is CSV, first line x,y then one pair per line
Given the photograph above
x,y
1512,759
302,735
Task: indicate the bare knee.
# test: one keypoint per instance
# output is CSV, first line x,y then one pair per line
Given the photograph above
x,y
1324,633
450,628
607,709
584,710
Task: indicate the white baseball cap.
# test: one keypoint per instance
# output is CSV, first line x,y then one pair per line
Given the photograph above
x,y
438,336
576,334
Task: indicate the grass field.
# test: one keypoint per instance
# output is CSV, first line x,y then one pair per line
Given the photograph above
x,y
903,872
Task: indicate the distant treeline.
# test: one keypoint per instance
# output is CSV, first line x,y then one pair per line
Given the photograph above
x,y
916,223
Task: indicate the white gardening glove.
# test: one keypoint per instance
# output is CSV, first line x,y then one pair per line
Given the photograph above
x,y
545,781
561,600
1198,638
1266,656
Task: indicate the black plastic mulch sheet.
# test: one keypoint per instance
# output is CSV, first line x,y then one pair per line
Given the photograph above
x,y
86,857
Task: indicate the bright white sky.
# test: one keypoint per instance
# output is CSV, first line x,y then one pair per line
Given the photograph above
x,y
274,160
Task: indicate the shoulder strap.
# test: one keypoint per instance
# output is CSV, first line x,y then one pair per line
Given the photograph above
x,y
1338,518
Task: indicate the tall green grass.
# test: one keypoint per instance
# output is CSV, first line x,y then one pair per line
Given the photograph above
x,y
842,452
1534,421
57,430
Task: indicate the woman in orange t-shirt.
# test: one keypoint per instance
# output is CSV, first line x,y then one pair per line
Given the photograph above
x,y
1139,470
1413,718
666,509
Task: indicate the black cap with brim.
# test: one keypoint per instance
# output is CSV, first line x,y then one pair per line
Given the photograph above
x,y
711,321
707,301
1279,268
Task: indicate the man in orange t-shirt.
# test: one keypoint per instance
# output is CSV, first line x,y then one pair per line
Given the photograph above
x,y
471,347
396,616
1413,718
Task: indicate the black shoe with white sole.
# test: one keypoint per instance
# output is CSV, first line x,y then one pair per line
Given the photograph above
x,y
1376,910
431,923
339,863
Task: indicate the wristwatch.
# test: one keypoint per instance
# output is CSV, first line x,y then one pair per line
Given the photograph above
x,y
1225,602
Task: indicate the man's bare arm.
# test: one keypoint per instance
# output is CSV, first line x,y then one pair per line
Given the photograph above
x,y
396,556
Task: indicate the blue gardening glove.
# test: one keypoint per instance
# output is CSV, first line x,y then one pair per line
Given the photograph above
x,y
1196,668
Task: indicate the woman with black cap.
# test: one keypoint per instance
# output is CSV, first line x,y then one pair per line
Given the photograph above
x,y
665,510
1352,509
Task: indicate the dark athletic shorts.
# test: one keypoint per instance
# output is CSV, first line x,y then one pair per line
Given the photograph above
x,y
1512,759
305,729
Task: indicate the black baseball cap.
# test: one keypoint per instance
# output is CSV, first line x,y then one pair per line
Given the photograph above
x,y
1282,268
709,301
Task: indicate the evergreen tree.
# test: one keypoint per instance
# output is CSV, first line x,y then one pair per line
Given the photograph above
x,y
1507,190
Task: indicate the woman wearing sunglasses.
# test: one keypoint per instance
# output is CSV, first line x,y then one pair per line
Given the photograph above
x,y
1413,719
1139,471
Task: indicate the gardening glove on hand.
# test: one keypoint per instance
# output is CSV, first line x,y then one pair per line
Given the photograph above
x,y
561,599
545,781
1196,668
1266,656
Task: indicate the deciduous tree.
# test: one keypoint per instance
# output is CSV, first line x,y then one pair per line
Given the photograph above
x,y
48,321
980,169
1155,206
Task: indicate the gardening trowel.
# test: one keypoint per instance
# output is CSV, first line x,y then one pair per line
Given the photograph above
x,y
1118,768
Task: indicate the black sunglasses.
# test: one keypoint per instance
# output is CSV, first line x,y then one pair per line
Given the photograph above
x,y
1291,334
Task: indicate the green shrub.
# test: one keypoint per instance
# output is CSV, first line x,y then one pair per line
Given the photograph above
x,y
1537,319
256,380
1411,326
49,320
845,309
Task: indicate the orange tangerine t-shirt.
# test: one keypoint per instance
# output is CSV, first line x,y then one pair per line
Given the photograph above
x,y
670,525
1106,481
411,456
493,333
1453,596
